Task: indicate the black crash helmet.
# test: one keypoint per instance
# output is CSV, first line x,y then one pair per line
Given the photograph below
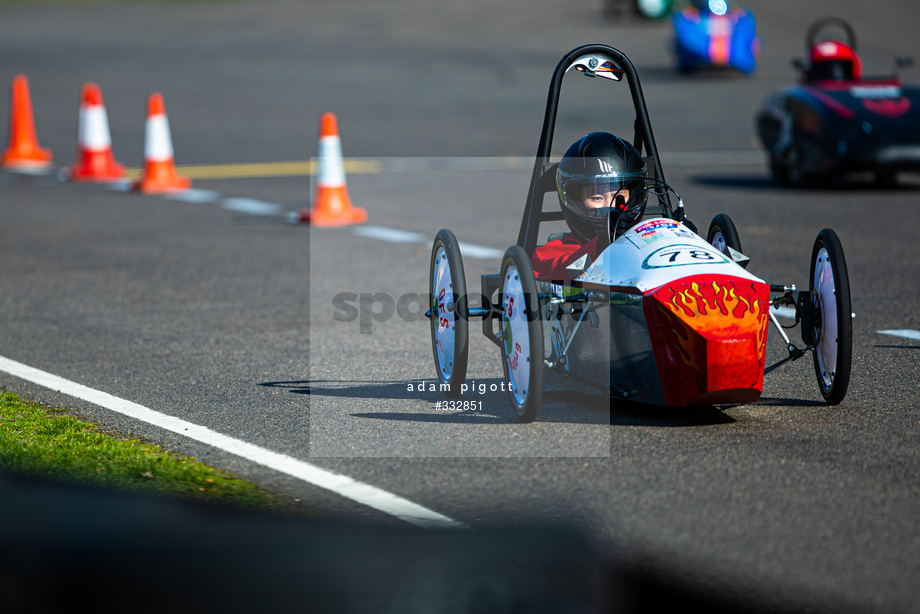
x,y
602,166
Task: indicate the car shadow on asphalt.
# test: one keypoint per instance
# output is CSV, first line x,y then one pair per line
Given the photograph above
x,y
627,413
780,402
432,404
295,387
491,402
559,406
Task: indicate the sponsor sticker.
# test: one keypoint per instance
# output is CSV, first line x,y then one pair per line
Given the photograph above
x,y
652,224
657,230
875,91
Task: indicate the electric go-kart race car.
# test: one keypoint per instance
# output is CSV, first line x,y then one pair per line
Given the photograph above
x,y
710,33
662,316
835,121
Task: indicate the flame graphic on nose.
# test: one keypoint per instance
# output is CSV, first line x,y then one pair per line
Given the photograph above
x,y
713,299
710,336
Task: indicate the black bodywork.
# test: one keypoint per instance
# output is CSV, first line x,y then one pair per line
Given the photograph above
x,y
822,128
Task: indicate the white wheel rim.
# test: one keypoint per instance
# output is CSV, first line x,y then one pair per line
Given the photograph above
x,y
515,335
825,289
445,334
718,241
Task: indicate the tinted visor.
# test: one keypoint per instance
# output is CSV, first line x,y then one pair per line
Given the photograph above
x,y
832,70
594,197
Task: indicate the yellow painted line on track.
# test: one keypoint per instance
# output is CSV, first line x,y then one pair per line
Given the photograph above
x,y
264,169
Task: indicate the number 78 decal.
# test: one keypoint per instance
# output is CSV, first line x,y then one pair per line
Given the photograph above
x,y
682,255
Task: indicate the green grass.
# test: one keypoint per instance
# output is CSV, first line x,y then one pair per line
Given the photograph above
x,y
49,443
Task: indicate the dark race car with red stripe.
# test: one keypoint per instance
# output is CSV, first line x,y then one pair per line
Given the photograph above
x,y
836,121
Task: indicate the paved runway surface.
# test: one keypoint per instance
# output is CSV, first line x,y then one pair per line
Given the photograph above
x,y
213,308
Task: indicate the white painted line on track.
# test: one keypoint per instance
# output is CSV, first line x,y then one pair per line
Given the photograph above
x,y
395,235
251,206
343,485
479,251
121,185
195,195
392,235
903,332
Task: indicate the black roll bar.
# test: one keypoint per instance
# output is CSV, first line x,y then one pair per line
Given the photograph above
x,y
543,178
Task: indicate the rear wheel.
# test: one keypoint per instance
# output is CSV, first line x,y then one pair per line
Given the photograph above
x,y
832,325
521,332
449,316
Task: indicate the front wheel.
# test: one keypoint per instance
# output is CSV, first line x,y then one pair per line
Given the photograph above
x,y
449,318
780,172
521,331
832,325
723,235
886,179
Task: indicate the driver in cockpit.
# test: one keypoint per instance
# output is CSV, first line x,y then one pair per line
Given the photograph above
x,y
832,60
600,176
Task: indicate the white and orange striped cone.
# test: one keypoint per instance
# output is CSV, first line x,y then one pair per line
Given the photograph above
x,y
332,205
23,151
95,161
160,173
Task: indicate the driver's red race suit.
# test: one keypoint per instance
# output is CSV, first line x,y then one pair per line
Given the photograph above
x,y
550,259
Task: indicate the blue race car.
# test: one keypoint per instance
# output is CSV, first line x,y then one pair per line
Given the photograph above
x,y
711,33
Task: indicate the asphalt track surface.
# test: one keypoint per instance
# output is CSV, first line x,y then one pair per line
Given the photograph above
x,y
214,309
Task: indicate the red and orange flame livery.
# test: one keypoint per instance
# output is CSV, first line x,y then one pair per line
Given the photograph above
x,y
710,338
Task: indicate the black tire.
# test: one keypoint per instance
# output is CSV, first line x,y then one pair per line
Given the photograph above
x,y
723,234
521,330
832,327
450,335
782,175
886,179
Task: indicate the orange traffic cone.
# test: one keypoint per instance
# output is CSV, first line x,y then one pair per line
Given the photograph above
x,y
332,205
159,169
23,152
95,161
